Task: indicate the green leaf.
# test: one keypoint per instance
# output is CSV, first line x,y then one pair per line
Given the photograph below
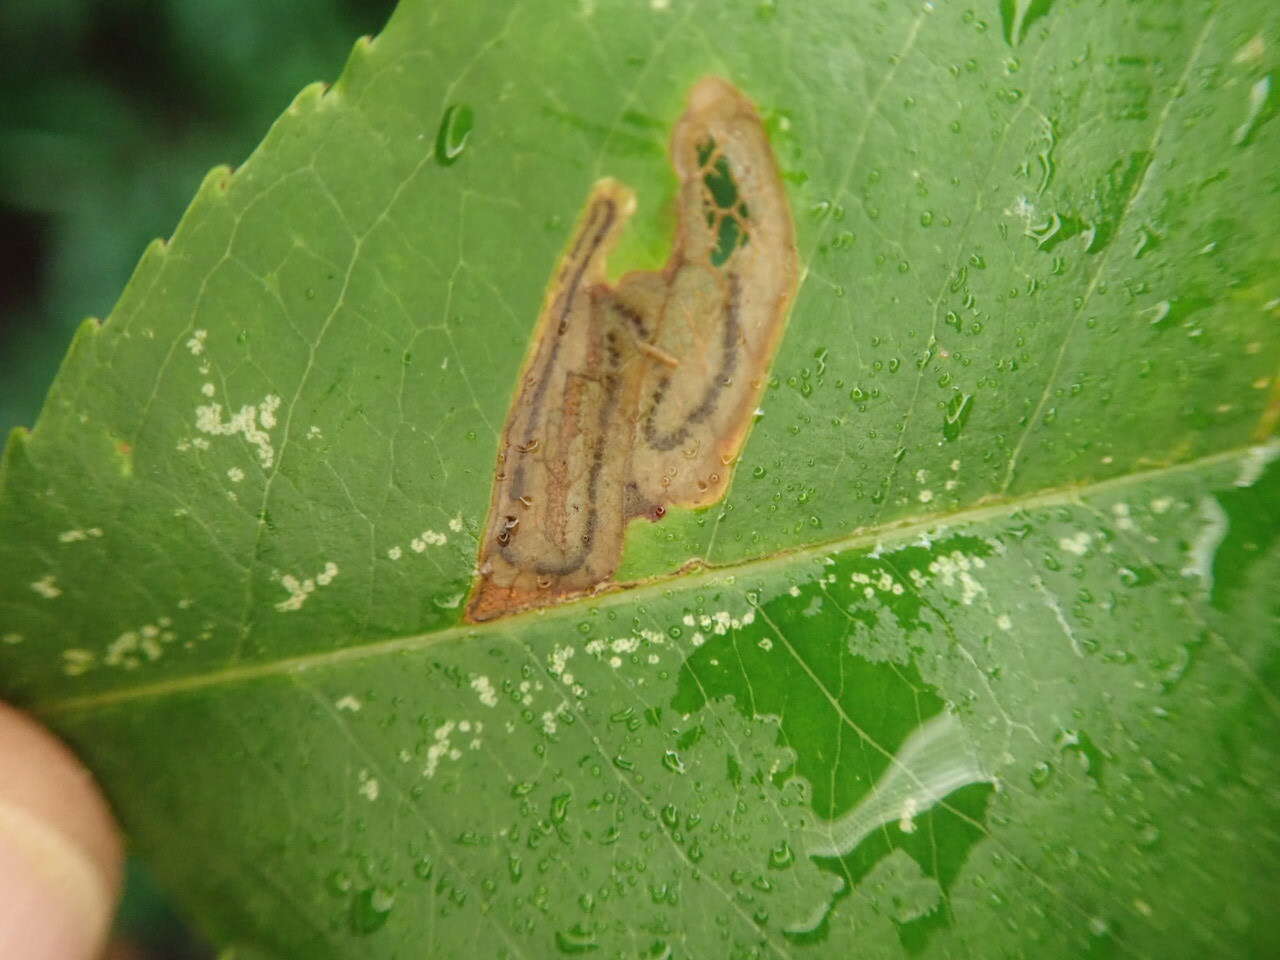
x,y
984,651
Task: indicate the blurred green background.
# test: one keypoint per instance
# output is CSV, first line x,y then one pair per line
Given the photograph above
x,y
111,112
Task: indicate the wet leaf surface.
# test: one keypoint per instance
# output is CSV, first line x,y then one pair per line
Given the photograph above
x,y
984,658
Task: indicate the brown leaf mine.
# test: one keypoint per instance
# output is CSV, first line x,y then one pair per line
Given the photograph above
x,y
638,397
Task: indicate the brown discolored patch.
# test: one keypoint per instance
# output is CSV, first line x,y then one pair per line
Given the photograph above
x,y
637,397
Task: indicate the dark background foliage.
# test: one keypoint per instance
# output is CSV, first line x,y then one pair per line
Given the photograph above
x,y
111,112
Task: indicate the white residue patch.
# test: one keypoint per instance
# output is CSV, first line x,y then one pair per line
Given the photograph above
x,y
299,590
1004,622
252,422
1255,461
456,524
924,496
313,432
349,702
47,587
208,389
1213,530
1077,544
935,760
428,538
368,787
1161,504
483,687
196,343
395,553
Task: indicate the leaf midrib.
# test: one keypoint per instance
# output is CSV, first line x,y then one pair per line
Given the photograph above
x,y
898,530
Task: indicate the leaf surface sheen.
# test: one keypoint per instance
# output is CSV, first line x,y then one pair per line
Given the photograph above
x,y
984,654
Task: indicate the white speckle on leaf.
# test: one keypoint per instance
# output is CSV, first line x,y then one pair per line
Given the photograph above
x,y
299,590
313,433
954,567
1123,521
245,422
76,536
1004,622
368,786
47,587
456,524
1078,544
349,702
394,553
428,538
235,474
439,749
196,343
134,647
484,688
1161,504
907,815
560,656
208,389
76,662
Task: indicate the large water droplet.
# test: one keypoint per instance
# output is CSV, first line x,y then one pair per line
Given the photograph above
x,y
370,909
455,128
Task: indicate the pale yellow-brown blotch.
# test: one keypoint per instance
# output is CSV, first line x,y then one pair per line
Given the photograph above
x,y
637,397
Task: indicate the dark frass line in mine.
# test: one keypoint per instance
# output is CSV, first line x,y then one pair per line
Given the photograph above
x,y
724,378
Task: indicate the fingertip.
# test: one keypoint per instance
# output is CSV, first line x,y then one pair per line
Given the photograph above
x,y
60,849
